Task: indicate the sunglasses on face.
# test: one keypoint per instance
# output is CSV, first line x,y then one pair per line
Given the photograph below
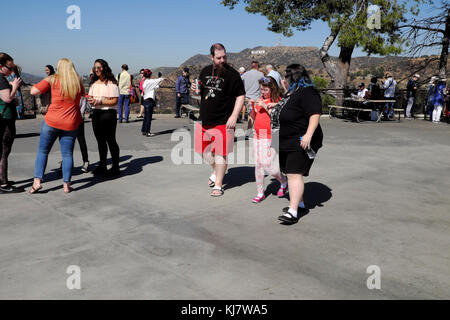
x,y
98,68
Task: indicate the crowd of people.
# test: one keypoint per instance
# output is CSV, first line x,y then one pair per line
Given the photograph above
x,y
283,116
435,106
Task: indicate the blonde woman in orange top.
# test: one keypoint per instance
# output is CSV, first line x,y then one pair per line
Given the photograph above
x,y
61,121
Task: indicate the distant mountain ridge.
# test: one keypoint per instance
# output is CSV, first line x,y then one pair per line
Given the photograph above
x,y
277,56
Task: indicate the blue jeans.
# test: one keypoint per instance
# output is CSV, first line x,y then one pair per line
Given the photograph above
x,y
184,99
389,109
46,141
124,98
149,105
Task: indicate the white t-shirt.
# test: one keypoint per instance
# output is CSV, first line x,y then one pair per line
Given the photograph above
x,y
362,93
149,86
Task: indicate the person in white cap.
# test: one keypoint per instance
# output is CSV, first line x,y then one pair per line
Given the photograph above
x,y
241,71
411,90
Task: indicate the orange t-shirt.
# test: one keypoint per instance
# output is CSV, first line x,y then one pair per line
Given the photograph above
x,y
262,121
63,113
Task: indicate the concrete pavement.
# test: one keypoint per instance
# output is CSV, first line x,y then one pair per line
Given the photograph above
x,y
379,194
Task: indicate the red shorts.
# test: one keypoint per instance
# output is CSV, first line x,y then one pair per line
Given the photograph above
x,y
218,138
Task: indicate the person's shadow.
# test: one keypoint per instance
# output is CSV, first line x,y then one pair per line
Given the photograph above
x,y
239,176
315,195
133,167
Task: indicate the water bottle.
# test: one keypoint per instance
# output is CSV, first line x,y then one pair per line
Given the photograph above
x,y
310,152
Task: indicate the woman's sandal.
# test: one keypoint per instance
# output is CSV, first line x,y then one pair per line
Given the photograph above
x,y
217,189
35,190
288,220
212,182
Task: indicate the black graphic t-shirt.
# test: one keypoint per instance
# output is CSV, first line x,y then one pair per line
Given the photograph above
x,y
219,93
294,119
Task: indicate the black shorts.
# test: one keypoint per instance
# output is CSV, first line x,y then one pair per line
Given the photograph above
x,y
295,162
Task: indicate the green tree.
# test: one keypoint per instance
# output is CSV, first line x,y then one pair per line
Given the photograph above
x,y
348,23
320,82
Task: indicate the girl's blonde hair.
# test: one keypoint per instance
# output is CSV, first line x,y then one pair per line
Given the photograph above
x,y
68,78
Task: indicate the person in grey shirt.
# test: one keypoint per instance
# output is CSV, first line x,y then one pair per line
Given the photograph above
x,y
251,82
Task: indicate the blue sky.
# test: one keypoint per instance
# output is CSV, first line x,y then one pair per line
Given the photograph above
x,y
140,33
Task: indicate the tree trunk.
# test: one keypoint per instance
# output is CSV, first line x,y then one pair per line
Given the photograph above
x,y
337,68
445,46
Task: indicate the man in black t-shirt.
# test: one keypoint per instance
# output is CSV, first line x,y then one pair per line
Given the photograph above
x,y
222,98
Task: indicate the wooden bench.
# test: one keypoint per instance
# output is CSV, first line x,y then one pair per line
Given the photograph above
x,y
358,110
189,109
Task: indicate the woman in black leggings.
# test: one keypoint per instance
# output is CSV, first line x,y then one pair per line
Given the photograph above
x,y
7,119
103,96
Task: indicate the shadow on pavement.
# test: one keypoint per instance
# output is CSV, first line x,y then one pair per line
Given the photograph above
x,y
133,167
315,195
237,177
27,135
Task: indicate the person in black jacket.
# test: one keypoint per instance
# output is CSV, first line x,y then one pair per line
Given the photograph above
x,y
411,90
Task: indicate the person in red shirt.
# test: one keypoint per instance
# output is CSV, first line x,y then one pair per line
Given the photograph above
x,y
265,155
61,121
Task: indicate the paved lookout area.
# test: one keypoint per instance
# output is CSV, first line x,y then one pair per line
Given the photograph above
x,y
378,194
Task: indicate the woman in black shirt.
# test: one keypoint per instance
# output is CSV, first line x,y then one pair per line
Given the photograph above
x,y
7,119
297,117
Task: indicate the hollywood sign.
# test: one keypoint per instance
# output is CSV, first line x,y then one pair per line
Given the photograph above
x,y
255,52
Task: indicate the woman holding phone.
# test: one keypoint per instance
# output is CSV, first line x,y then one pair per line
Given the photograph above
x,y
103,96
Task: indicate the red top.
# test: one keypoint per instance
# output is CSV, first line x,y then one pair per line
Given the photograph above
x,y
63,113
262,121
